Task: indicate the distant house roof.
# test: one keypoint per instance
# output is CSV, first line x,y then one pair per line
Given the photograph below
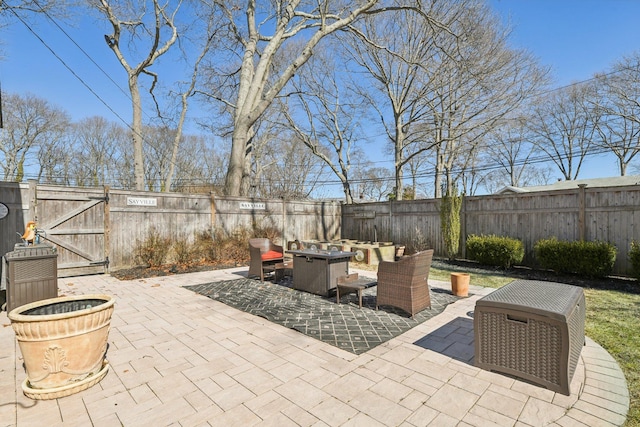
x,y
615,181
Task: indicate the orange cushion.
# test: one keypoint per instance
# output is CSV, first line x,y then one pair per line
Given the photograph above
x,y
271,255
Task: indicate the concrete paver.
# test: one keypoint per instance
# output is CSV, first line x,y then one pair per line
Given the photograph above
x,y
180,359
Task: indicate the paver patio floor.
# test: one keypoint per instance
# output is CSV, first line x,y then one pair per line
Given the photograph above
x,y
181,359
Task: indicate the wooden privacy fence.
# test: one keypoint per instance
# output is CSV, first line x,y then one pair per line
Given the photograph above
x,y
319,220
97,229
610,214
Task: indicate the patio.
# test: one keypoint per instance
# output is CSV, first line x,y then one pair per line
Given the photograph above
x,y
182,359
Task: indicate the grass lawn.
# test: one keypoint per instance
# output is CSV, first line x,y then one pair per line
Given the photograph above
x,y
613,321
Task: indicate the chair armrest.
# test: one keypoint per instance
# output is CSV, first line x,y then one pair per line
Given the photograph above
x,y
255,254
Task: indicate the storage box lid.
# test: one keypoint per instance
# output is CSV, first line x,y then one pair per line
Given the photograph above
x,y
32,251
550,299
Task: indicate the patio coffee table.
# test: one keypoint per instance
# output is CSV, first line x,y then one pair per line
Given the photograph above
x,y
533,330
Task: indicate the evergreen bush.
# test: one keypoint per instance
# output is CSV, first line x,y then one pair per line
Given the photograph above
x,y
634,257
588,259
495,250
450,223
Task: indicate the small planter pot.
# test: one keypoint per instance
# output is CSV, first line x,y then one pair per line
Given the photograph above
x,y
460,284
63,342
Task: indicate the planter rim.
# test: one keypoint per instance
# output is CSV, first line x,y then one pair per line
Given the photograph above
x,y
16,315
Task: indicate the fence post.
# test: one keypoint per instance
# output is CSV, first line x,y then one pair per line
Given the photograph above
x,y
463,228
582,229
107,225
212,206
392,234
33,201
284,223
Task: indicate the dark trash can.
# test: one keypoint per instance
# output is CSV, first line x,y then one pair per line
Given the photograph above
x,y
30,274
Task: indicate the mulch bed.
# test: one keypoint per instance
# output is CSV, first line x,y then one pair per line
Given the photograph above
x,y
167,270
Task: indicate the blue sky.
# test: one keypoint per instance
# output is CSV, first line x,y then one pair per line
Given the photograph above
x,y
576,38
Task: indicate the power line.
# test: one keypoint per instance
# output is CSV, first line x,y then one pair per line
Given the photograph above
x,y
68,67
326,182
44,11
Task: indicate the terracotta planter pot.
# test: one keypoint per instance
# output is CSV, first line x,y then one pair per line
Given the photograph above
x,y
63,342
460,284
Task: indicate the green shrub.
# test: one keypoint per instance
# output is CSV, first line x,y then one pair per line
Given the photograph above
x,y
450,223
153,250
634,257
495,250
588,259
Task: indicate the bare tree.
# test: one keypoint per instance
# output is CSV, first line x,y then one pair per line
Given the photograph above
x,y
374,183
508,158
95,142
206,32
201,164
476,84
56,159
444,89
29,123
24,9
508,146
616,108
33,6
260,36
392,49
159,30
291,171
562,128
158,153
329,116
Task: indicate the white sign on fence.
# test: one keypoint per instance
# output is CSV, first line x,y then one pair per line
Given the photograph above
x,y
254,206
142,201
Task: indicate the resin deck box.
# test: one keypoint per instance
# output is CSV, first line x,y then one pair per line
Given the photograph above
x,y
533,330
32,274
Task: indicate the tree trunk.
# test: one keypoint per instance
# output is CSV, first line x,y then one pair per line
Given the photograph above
x,y
347,192
233,180
623,167
136,129
176,144
399,158
255,95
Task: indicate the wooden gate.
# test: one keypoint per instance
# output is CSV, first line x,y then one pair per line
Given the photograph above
x,y
76,222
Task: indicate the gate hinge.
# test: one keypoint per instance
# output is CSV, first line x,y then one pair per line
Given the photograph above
x,y
104,262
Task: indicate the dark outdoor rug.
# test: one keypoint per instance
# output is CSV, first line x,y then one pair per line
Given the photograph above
x,y
343,325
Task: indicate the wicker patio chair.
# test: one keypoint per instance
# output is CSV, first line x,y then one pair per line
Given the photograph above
x,y
263,253
404,283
